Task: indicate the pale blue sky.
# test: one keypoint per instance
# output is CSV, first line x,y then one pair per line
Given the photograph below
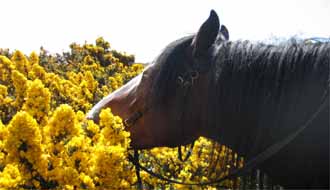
x,y
145,27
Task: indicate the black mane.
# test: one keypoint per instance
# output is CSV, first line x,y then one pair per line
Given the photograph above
x,y
266,86
262,93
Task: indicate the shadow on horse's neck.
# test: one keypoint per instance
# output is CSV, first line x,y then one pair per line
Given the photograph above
x,y
261,93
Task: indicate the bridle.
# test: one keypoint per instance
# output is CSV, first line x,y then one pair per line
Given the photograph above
x,y
186,82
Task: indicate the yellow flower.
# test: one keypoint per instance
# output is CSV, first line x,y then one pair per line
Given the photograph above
x,y
112,132
89,60
92,130
37,72
91,83
3,131
87,181
62,124
34,58
102,43
113,83
10,177
24,142
65,176
109,165
20,83
21,62
37,101
3,93
3,137
6,67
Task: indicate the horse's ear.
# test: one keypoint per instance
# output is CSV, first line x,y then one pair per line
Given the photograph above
x,y
224,32
206,35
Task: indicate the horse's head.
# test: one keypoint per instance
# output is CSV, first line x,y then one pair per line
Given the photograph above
x,y
164,105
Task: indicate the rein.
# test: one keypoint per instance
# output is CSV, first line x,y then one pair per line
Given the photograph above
x,y
186,81
188,154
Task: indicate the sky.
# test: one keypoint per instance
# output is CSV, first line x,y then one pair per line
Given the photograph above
x,y
145,27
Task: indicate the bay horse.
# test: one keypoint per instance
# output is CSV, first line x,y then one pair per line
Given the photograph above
x,y
248,96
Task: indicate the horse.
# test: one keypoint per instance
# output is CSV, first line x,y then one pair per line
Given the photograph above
x,y
245,95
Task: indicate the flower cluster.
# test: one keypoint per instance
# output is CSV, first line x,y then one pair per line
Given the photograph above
x,y
37,101
64,153
46,142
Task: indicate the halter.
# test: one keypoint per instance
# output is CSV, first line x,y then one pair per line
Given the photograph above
x,y
186,81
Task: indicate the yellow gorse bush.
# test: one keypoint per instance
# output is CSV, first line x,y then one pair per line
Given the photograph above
x,y
37,101
46,142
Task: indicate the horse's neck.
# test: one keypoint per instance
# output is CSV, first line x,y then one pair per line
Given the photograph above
x,y
257,104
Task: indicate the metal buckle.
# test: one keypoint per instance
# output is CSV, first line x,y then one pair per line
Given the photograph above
x,y
132,119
